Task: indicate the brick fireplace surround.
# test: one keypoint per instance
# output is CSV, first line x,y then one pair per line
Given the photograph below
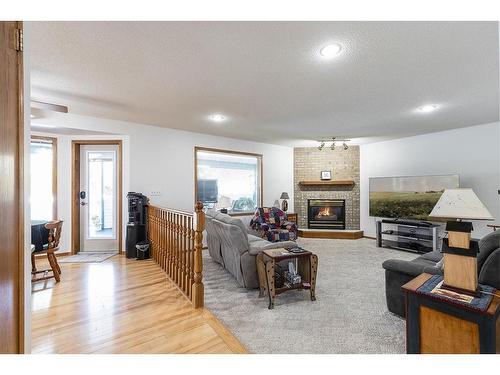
x,y
344,165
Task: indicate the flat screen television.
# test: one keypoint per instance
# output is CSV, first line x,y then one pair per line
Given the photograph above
x,y
409,197
208,191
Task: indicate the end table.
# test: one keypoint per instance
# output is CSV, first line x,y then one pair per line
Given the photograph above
x,y
307,267
294,218
442,326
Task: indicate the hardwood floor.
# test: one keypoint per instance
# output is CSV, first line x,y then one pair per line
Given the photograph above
x,y
121,306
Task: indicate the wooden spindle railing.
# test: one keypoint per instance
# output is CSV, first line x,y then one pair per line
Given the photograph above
x,y
176,243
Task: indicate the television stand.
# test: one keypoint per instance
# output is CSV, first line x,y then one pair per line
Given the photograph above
x,y
408,235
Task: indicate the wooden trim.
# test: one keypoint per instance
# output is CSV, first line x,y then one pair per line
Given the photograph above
x,y
327,183
21,169
53,140
75,189
232,342
339,234
369,237
233,152
12,201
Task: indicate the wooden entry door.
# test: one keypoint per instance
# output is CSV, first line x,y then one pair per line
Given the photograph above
x,y
11,227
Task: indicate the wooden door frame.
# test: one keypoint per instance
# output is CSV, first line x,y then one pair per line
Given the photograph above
x,y
13,144
75,189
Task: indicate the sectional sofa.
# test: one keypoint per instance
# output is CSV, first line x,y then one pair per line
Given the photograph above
x,y
230,245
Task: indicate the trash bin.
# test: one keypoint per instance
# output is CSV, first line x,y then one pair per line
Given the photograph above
x,y
136,233
142,250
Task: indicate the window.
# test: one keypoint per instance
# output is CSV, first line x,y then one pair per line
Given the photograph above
x,y
43,178
101,177
228,180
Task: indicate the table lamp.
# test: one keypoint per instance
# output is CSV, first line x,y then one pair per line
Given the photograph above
x,y
459,253
284,204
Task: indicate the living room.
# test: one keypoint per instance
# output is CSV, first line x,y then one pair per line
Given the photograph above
x,y
158,161
283,166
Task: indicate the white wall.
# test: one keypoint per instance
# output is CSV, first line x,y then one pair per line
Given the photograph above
x,y
162,159
471,152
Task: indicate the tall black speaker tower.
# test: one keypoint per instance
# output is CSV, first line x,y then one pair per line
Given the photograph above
x,y
137,221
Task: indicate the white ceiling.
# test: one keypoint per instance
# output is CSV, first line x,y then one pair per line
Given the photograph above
x,y
267,77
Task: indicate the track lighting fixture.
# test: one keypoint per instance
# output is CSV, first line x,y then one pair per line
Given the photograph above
x,y
322,143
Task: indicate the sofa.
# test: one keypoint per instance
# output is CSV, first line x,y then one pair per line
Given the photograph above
x,y
230,245
271,223
399,272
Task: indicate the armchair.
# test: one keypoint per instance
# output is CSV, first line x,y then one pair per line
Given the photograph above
x,y
271,223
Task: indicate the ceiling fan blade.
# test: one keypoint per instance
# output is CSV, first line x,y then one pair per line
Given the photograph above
x,y
49,106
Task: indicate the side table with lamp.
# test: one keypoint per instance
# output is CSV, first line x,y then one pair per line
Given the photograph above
x,y
453,314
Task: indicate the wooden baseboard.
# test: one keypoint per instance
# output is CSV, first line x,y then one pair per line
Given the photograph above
x,y
369,237
331,234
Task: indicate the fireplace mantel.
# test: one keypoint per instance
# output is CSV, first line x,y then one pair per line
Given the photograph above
x,y
327,183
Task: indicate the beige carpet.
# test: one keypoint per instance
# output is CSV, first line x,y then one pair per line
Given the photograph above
x,y
349,315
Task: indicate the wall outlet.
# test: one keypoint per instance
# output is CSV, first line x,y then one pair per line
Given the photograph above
x,y
155,193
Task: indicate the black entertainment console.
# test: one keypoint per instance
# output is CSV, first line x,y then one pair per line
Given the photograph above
x,y
409,235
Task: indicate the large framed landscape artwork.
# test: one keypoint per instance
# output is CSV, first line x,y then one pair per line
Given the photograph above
x,y
408,197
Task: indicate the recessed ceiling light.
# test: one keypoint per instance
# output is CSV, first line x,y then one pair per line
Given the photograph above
x,y
217,117
32,115
331,50
428,108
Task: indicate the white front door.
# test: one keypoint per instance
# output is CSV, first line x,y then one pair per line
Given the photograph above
x,y
98,198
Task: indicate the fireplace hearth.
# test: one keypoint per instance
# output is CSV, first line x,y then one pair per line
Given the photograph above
x,y
326,213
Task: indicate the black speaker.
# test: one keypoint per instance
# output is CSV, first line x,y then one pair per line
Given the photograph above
x,y
135,233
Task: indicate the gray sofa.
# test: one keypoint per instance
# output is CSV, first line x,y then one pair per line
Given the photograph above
x,y
230,245
399,272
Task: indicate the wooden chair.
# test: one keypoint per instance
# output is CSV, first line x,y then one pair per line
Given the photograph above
x,y
54,228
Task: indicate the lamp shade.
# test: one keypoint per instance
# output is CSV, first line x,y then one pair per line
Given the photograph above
x,y
284,195
460,204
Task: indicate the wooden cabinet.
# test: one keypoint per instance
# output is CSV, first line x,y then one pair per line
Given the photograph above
x,y
294,218
435,326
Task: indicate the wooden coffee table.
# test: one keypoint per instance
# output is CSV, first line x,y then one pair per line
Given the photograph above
x,y
307,267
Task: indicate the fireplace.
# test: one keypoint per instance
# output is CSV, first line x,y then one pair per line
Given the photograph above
x,y
326,213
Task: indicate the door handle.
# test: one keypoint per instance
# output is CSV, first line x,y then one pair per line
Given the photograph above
x,y
83,203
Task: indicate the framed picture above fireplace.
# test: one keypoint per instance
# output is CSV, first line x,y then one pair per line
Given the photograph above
x,y
326,175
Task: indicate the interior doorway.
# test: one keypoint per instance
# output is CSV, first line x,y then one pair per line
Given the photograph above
x,y
97,196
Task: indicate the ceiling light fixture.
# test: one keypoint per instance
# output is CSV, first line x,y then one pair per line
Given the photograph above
x,y
330,51
322,143
428,108
217,117
32,115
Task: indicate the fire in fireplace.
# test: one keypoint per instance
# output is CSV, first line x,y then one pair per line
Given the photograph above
x,y
326,214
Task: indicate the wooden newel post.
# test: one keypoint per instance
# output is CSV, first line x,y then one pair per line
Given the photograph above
x,y
199,227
